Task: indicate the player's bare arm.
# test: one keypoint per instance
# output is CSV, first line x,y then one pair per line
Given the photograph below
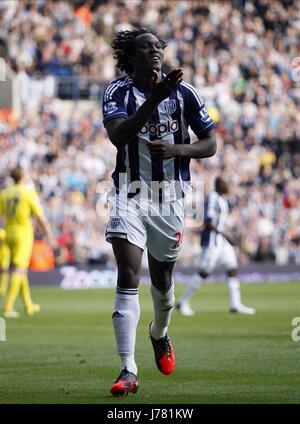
x,y
43,223
203,148
121,131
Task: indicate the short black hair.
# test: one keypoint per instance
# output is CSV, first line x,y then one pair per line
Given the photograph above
x,y
123,45
219,182
17,174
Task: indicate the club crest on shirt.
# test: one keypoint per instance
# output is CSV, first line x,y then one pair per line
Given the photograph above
x,y
169,106
115,222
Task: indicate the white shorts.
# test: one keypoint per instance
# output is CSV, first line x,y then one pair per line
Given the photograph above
x,y
220,256
144,227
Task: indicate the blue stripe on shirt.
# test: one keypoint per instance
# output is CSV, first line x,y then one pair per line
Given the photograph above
x,y
133,146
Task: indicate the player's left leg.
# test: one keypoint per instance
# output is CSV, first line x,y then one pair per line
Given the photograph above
x,y
162,291
165,232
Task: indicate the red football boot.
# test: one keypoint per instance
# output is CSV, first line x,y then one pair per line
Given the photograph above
x,y
164,354
126,383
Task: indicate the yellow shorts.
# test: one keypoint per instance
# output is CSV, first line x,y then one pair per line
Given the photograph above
x,y
20,248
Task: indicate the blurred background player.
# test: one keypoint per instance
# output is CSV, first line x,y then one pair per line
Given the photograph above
x,y
18,204
217,251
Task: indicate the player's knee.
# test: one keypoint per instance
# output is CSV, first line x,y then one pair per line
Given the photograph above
x,y
2,270
203,274
232,273
162,282
19,270
128,277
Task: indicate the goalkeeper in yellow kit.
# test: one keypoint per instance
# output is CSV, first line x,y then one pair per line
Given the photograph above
x,y
18,204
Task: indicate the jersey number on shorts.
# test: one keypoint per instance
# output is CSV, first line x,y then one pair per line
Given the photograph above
x,y
12,206
179,236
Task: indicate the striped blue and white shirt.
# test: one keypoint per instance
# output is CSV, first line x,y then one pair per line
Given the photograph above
x,y
170,122
216,209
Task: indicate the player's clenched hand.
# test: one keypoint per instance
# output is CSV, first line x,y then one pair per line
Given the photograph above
x,y
231,239
160,150
162,89
52,241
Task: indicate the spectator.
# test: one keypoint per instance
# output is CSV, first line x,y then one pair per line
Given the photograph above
x,y
238,54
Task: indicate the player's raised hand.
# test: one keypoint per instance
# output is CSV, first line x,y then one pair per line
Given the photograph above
x,y
163,88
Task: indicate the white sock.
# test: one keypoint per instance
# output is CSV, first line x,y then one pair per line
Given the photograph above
x,y
163,304
234,292
190,289
125,319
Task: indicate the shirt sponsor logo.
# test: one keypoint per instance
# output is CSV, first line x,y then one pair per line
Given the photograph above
x,y
110,107
169,106
161,129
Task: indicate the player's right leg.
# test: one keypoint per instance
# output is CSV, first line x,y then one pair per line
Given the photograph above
x,y
127,233
162,292
165,233
126,313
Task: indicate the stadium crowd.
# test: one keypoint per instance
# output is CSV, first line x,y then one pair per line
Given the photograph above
x,y
238,54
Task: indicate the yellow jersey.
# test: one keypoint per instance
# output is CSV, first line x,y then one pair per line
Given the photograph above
x,y
18,203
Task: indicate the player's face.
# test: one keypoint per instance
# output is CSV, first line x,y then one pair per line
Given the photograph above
x,y
25,176
148,53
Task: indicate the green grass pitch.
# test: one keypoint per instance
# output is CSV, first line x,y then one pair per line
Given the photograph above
x,y
67,354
